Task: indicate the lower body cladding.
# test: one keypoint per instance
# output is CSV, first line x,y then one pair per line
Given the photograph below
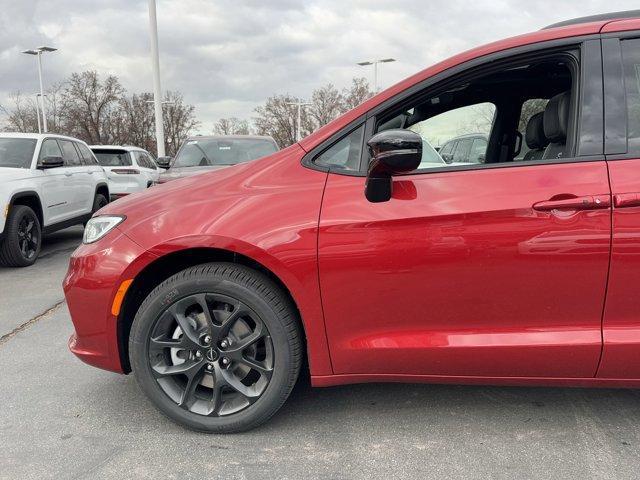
x,y
90,287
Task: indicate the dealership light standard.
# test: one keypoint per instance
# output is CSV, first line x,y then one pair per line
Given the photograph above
x,y
375,69
38,112
38,52
157,90
300,105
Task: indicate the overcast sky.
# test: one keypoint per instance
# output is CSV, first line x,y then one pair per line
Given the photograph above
x,y
227,56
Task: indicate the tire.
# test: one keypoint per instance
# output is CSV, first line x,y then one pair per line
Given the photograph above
x,y
98,202
262,355
23,240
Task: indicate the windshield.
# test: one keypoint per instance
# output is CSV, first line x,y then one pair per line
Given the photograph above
x,y
203,153
17,152
113,158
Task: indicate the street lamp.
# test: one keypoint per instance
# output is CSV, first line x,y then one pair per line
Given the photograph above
x,y
299,123
38,52
375,69
157,89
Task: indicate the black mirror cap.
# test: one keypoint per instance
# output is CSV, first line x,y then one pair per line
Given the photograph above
x,y
164,162
392,152
50,162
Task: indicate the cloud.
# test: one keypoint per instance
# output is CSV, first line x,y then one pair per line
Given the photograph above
x,y
227,56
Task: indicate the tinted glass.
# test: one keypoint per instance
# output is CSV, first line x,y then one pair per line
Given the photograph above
x,y
16,152
461,154
478,150
113,158
232,151
86,155
69,153
344,154
50,148
631,60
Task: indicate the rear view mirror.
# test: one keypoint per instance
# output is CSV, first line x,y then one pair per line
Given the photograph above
x,y
392,152
50,162
164,162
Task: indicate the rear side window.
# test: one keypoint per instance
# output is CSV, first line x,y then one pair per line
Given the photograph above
x,y
462,152
69,153
478,150
345,154
113,158
86,154
631,60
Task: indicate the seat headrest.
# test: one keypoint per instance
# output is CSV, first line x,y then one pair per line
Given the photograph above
x,y
556,118
534,135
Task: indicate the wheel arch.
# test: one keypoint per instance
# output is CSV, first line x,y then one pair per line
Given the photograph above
x,y
103,188
31,199
171,263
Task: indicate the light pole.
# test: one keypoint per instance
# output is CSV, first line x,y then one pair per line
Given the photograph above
x,y
157,90
375,69
38,112
299,122
38,52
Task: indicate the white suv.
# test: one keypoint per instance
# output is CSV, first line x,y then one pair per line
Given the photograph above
x,y
129,169
47,182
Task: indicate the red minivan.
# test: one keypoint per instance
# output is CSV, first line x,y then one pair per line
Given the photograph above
x,y
358,254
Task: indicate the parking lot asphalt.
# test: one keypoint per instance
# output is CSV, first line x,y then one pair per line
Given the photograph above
x,y
62,419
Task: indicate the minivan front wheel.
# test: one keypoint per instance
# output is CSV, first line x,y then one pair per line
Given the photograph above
x,y
23,238
217,347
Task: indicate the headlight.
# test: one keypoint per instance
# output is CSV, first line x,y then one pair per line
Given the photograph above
x,y
99,226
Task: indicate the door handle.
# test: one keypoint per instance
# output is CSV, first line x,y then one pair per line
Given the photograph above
x,y
589,202
90,173
68,174
626,200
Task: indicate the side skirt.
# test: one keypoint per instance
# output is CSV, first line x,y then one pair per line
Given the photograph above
x,y
332,380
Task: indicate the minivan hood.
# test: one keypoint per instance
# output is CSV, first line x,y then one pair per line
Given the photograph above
x,y
166,202
181,172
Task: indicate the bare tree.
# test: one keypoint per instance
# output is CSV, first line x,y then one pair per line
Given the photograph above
x,y
134,122
231,126
326,104
179,119
22,115
89,106
358,92
277,117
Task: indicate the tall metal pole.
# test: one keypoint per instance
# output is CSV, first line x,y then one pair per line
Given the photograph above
x,y
375,76
44,110
299,124
157,90
299,120
38,112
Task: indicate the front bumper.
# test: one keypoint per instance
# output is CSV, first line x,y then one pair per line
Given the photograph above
x,y
94,275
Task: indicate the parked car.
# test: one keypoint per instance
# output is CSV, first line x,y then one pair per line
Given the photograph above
x,y
201,154
470,148
47,183
129,169
342,253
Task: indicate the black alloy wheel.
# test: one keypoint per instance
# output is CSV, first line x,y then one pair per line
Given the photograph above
x,y
23,238
211,354
217,347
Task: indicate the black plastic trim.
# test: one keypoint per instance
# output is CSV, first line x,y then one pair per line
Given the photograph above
x,y
66,223
591,126
615,104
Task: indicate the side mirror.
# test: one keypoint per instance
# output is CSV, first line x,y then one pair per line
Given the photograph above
x,y
50,162
392,152
164,162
